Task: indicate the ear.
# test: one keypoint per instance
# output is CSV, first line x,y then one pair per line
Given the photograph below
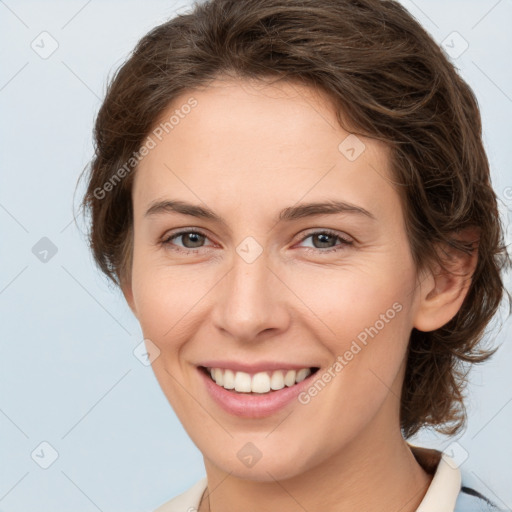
x,y
440,293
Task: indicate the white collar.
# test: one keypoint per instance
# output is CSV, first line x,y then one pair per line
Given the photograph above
x,y
186,501
445,486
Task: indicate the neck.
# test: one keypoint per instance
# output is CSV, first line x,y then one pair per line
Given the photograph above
x,y
375,472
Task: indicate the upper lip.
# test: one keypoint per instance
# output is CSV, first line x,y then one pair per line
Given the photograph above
x,y
261,366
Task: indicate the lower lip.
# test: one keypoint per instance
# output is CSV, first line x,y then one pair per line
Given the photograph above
x,y
253,405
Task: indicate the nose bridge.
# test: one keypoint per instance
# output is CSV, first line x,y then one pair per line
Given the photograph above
x,y
248,301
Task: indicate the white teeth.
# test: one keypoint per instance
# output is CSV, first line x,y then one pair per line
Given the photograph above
x,y
218,376
242,382
277,380
289,378
302,374
229,379
261,382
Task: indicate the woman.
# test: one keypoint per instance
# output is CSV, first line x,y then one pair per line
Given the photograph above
x,y
295,201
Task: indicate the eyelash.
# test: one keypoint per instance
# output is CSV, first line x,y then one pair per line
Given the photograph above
x,y
344,242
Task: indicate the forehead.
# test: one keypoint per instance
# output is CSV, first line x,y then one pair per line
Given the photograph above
x,y
255,144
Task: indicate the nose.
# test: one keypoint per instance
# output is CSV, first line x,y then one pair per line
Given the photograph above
x,y
251,301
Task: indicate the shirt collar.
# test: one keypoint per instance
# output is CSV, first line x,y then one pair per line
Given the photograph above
x,y
446,482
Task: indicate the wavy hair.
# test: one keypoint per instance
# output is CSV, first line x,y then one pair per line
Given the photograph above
x,y
387,79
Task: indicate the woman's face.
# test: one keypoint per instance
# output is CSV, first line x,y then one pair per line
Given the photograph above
x,y
269,284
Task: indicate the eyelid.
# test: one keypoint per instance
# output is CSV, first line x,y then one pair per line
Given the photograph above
x,y
182,231
313,231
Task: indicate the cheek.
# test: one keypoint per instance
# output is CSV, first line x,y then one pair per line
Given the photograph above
x,y
363,317
162,293
163,305
349,302
172,302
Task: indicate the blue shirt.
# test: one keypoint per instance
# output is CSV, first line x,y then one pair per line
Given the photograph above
x,y
470,499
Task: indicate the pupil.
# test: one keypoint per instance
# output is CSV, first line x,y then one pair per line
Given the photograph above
x,y
190,236
325,236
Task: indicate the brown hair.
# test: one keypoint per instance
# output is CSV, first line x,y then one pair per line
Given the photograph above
x,y
392,82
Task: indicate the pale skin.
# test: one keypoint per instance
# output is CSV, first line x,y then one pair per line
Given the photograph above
x,y
247,151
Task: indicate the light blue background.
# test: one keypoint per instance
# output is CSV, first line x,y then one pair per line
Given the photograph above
x,y
68,375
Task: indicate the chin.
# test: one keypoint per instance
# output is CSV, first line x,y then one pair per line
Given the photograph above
x,y
273,464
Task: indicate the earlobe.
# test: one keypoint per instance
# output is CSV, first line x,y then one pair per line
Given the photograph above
x,y
441,293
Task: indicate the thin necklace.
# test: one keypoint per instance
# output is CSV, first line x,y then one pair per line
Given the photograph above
x,y
202,498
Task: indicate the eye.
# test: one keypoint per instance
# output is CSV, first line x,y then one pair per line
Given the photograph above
x,y
325,239
191,239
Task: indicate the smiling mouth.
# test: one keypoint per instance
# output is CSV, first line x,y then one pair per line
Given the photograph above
x,y
257,383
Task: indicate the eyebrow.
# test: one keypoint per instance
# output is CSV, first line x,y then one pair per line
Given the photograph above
x,y
288,214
